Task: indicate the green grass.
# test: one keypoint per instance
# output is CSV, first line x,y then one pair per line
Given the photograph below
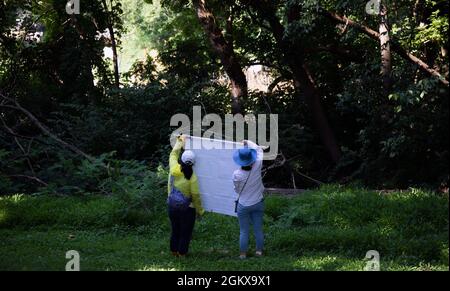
x,y
327,229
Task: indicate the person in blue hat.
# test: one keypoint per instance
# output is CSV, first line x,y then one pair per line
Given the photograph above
x,y
249,187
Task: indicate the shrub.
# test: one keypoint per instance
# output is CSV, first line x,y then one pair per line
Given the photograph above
x,y
276,206
412,223
134,196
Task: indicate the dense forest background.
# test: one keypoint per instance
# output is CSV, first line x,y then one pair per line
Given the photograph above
x,y
86,99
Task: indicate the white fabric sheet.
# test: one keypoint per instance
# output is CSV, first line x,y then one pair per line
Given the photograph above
x,y
214,167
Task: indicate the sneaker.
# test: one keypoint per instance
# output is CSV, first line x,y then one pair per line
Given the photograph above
x,y
242,256
258,253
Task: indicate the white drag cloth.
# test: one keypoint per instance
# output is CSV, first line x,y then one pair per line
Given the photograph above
x,y
214,167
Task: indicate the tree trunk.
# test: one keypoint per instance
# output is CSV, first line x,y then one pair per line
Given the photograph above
x,y
303,82
115,59
386,65
113,46
226,54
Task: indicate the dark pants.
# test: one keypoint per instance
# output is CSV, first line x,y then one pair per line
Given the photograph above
x,y
182,226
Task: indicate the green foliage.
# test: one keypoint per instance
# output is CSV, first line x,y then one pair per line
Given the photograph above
x,y
131,182
327,229
276,206
393,140
135,196
75,212
434,31
167,64
405,224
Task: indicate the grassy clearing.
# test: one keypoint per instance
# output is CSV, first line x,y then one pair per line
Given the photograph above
x,y
327,229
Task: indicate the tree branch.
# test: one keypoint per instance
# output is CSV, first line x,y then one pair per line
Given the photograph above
x,y
43,128
282,163
25,153
344,53
395,46
30,178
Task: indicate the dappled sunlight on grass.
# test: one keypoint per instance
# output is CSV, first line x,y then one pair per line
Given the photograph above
x,y
326,262
155,268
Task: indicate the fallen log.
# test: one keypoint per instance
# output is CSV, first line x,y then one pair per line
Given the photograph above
x,y
283,191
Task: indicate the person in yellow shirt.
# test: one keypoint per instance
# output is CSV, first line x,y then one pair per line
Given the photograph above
x,y
184,203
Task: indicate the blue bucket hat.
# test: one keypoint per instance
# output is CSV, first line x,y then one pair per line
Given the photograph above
x,y
244,157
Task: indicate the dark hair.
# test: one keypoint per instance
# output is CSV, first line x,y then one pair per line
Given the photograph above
x,y
246,168
186,169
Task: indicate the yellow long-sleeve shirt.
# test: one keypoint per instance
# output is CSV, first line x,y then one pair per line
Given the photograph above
x,y
189,188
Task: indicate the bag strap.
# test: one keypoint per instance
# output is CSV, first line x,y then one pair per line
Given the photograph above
x,y
172,178
243,187
171,182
